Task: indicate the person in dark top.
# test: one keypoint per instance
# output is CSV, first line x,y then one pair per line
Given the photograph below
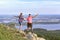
x,y
20,20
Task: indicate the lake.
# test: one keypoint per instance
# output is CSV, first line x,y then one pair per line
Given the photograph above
x,y
39,18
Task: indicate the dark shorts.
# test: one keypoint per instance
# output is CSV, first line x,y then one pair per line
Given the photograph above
x,y
20,23
29,25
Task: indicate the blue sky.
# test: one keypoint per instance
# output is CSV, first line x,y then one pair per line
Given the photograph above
x,y
43,7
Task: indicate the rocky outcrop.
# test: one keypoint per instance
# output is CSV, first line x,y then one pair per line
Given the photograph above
x,y
31,36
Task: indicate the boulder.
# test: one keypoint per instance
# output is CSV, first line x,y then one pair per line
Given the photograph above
x,y
33,36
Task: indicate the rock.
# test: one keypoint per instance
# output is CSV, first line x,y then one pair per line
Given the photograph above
x,y
22,32
30,36
33,36
40,38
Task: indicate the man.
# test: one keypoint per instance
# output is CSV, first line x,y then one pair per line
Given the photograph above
x,y
29,22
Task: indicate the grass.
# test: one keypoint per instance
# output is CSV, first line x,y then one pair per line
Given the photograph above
x,y
9,34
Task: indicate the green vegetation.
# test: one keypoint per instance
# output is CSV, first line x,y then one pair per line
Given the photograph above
x,y
10,33
48,35
7,33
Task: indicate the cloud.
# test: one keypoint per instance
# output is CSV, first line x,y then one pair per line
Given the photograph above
x,y
14,6
33,4
50,3
39,4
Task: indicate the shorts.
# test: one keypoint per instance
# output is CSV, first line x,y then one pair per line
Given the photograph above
x,y
29,25
20,23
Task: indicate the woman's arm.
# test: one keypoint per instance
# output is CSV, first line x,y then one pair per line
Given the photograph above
x,y
16,16
25,18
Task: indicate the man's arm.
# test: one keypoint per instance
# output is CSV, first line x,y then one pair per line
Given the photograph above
x,y
34,16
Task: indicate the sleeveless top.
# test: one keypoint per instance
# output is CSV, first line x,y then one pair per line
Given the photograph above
x,y
20,19
29,19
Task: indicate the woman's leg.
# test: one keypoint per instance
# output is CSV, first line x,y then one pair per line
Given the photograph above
x,y
20,25
20,28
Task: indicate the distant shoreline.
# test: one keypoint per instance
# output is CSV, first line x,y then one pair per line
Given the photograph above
x,y
7,22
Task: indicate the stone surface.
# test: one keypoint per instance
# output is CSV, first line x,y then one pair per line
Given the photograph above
x,y
33,36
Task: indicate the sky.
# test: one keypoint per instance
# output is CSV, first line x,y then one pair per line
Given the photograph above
x,y
42,7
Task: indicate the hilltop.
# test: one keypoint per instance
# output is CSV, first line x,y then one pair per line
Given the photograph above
x,y
8,33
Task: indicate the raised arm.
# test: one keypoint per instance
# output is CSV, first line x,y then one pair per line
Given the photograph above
x,y
35,15
16,16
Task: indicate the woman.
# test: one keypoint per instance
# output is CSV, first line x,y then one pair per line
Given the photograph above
x,y
20,20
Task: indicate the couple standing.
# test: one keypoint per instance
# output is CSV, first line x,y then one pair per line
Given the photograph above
x,y
29,21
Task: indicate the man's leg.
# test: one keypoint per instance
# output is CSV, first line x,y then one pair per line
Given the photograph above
x,y
31,29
